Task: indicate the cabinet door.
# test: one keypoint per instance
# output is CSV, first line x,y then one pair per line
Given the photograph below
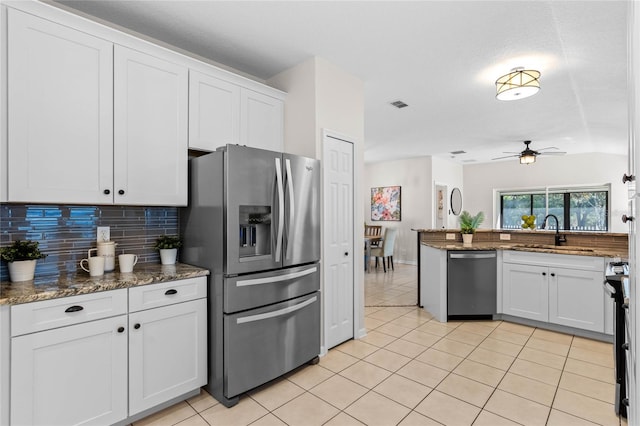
x,y
577,298
261,121
70,375
525,291
214,112
60,124
167,353
150,130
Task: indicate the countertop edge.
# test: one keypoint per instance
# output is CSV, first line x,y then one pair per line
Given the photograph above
x,y
523,247
75,284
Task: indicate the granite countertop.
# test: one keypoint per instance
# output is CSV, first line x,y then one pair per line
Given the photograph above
x,y
540,248
73,284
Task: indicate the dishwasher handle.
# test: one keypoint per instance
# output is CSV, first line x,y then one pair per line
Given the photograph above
x,y
472,255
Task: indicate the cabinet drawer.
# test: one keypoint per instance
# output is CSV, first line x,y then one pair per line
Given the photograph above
x,y
570,261
155,295
48,314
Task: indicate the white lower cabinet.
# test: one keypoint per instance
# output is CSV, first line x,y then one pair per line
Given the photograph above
x,y
73,375
577,299
167,353
525,291
560,289
82,360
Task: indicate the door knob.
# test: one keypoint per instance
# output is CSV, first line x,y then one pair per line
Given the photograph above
x,y
346,253
628,178
107,192
121,192
626,218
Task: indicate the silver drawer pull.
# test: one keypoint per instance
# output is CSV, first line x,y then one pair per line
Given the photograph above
x,y
277,313
267,280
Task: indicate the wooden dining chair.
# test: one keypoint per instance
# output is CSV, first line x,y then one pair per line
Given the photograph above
x,y
373,231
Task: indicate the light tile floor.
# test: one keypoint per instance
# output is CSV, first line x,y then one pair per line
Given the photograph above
x,y
412,370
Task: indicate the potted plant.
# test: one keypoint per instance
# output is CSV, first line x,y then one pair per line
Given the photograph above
x,y
168,246
469,224
21,257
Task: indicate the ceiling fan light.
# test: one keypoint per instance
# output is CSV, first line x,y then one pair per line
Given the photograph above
x,y
518,84
527,159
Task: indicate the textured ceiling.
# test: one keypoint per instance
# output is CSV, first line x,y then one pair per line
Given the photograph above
x,y
440,57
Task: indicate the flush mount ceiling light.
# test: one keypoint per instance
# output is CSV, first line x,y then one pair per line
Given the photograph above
x,y
518,84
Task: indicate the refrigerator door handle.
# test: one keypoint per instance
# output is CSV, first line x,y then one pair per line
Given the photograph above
x,y
280,209
268,280
280,312
292,206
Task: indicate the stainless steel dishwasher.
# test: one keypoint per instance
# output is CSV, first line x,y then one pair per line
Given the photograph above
x,y
471,284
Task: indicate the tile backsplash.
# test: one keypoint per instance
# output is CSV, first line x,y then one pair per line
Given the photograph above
x,y
67,232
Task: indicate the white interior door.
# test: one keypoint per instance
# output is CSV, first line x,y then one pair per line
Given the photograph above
x,y
338,240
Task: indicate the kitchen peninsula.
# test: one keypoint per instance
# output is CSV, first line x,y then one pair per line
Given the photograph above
x,y
538,283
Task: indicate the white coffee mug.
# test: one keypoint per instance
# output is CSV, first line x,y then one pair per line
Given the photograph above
x,y
95,265
106,249
127,261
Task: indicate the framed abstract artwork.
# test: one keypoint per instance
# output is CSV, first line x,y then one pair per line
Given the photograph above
x,y
385,203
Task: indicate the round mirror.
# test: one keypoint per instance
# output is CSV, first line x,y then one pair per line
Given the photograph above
x,y
456,201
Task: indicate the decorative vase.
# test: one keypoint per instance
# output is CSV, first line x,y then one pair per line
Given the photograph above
x,y
467,239
168,256
22,270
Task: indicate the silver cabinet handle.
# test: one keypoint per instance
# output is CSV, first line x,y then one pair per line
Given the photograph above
x,y
279,312
269,280
280,209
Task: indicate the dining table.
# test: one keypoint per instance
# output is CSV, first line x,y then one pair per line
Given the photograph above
x,y
368,240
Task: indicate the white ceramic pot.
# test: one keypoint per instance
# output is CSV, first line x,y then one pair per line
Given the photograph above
x,y
467,239
22,270
168,256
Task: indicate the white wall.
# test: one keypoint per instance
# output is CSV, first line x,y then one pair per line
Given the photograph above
x,y
299,108
414,176
445,172
480,181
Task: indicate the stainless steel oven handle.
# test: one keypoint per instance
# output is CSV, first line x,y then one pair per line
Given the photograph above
x,y
269,280
292,205
277,313
280,209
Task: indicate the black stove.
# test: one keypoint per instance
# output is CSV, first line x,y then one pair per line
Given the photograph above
x,y
617,285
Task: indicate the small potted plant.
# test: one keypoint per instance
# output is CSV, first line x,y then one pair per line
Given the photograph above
x,y
168,246
469,224
21,257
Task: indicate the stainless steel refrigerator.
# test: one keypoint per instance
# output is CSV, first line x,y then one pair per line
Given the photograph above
x,y
253,220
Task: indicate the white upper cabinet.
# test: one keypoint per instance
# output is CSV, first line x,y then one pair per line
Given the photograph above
x,y
96,116
214,112
60,126
261,121
150,129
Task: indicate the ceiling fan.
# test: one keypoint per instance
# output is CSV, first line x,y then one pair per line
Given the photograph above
x,y
529,155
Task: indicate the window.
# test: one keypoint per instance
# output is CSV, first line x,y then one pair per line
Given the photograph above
x,y
576,209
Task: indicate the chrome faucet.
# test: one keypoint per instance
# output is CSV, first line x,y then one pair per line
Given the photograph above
x,y
559,238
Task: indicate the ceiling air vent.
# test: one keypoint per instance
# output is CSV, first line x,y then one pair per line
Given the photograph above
x,y
458,152
399,104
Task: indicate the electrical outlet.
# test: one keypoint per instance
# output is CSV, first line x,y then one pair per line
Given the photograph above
x,y
451,236
505,237
103,233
